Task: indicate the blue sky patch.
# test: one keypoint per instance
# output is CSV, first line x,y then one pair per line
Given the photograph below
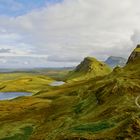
x,y
20,7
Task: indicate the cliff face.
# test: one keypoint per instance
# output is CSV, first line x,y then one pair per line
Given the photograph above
x,y
134,55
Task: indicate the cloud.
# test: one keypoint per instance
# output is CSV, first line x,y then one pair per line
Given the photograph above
x,y
30,62
73,29
55,58
136,37
5,50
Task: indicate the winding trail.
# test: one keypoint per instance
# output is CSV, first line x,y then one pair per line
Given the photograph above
x,y
136,101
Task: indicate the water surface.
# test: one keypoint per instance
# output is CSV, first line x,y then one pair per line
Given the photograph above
x,y
57,83
12,95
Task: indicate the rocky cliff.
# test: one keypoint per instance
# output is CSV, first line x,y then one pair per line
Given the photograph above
x,y
135,54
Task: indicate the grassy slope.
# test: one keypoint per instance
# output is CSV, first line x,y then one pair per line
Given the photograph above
x,y
23,82
99,108
89,68
137,50
58,74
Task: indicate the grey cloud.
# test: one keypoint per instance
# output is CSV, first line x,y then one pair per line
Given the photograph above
x,y
5,50
74,29
30,62
136,37
56,58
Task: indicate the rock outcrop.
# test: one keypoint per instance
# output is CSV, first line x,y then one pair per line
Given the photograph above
x,y
135,54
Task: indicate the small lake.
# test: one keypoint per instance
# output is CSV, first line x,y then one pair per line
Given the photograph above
x,y
57,83
12,95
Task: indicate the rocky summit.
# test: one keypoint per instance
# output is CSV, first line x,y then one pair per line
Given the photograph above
x,y
90,67
135,54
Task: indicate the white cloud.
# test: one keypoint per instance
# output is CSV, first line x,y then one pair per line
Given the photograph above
x,y
3,61
136,37
73,29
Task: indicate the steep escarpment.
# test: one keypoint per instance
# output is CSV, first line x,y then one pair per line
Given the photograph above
x,y
88,68
106,108
135,54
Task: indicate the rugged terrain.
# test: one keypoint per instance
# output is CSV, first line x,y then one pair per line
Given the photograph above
x,y
96,108
88,68
135,54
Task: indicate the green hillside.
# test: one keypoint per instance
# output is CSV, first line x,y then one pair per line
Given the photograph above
x,y
24,82
88,68
100,108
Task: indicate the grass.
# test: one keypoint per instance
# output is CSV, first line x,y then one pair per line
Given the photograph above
x,y
93,127
65,112
137,50
24,82
88,68
24,135
78,108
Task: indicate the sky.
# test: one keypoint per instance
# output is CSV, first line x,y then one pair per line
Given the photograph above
x,y
60,33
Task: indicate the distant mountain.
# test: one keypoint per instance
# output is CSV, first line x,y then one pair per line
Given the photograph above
x,y
135,54
88,68
114,61
105,108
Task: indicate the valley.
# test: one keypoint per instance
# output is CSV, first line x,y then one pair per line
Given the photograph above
x,y
95,103
69,70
